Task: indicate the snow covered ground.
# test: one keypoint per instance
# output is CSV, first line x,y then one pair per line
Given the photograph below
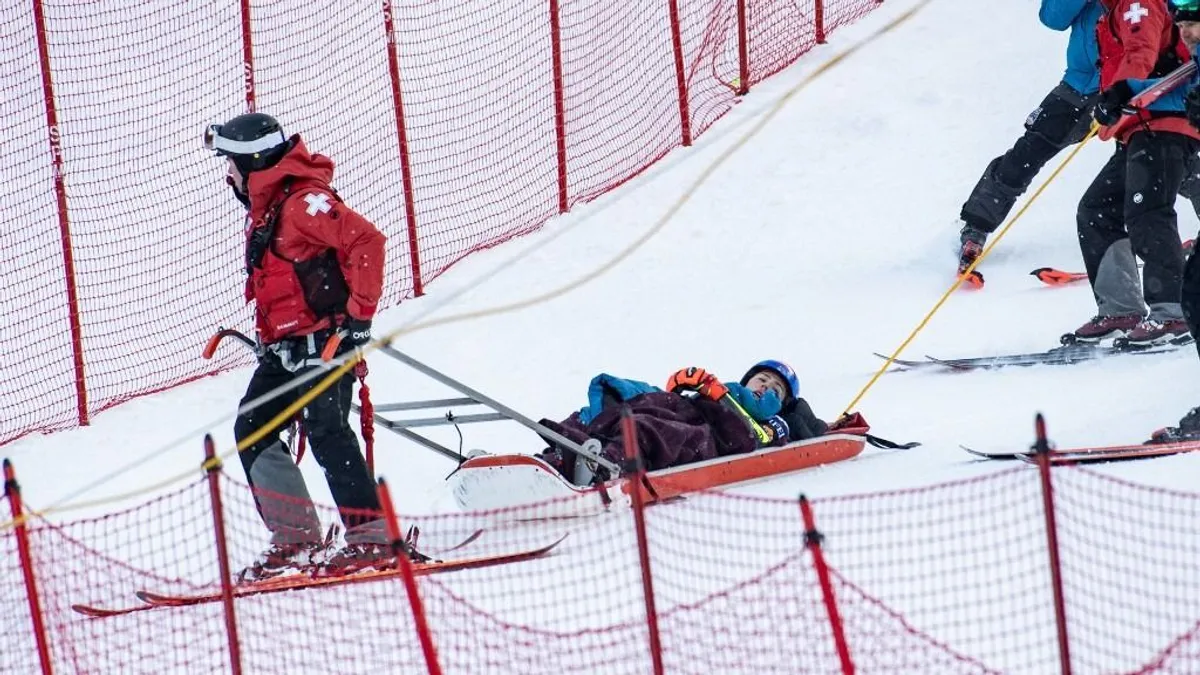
x,y
822,239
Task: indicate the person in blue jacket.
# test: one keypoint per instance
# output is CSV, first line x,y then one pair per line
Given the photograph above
x,y
1063,118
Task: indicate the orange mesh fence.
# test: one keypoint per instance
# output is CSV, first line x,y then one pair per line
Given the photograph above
x,y
135,255
951,579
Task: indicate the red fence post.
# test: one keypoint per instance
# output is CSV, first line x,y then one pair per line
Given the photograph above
x,y
410,209
13,492
819,10
632,454
680,79
743,50
560,113
400,549
64,229
212,467
812,541
248,56
1042,454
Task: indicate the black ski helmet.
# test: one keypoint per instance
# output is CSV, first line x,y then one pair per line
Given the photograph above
x,y
254,141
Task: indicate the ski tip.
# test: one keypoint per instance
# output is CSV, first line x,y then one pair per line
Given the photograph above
x,y
103,613
1053,277
972,281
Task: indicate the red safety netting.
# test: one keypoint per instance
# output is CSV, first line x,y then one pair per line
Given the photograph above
x,y
1130,558
134,257
954,578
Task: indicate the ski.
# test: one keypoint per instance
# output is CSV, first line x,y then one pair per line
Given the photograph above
x,y
104,612
1090,454
973,281
153,600
1055,277
1058,356
904,363
1114,453
994,455
1096,451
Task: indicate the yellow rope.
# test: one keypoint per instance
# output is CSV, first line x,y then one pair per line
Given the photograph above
x,y
967,272
358,355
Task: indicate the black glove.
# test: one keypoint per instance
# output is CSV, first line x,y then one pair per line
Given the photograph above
x,y
1191,104
358,332
1109,107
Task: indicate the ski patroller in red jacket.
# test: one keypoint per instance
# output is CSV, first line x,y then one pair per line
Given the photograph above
x,y
1138,41
320,252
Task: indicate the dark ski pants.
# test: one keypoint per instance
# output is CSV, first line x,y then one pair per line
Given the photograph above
x,y
280,493
1063,118
1190,296
1128,211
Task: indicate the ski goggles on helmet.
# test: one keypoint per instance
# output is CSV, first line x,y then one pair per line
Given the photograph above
x,y
214,141
1185,10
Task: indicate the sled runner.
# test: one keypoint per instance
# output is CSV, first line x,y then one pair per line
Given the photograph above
x,y
499,481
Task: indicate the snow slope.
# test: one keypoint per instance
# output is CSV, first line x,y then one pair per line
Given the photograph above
x,y
823,238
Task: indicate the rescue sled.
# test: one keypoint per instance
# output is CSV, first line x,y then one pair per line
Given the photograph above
x,y
487,481
501,481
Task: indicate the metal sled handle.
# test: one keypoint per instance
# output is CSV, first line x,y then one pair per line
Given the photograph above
x,y
589,450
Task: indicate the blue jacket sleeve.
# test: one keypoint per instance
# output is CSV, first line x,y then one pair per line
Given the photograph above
x,y
1172,100
613,387
1060,14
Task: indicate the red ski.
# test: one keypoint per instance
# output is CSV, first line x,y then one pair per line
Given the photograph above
x,y
1093,454
1114,453
1053,277
303,581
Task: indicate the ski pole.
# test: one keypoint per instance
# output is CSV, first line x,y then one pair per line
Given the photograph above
x,y
1151,94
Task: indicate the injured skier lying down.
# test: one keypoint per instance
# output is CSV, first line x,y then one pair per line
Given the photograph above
x,y
697,418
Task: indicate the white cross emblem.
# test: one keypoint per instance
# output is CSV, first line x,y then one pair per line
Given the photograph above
x,y
317,202
1135,13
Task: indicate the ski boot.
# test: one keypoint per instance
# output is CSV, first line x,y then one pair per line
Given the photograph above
x,y
369,556
971,243
1153,332
1188,430
1102,328
287,558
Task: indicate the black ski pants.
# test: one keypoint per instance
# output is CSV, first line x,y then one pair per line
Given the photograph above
x,y
1190,296
1128,211
269,466
1062,119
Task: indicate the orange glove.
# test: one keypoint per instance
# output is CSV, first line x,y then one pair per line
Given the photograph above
x,y
697,380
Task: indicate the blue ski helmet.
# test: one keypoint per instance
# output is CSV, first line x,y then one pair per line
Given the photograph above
x,y
781,369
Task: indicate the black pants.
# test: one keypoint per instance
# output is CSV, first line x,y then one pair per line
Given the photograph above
x,y
1062,119
334,445
1128,211
1190,296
